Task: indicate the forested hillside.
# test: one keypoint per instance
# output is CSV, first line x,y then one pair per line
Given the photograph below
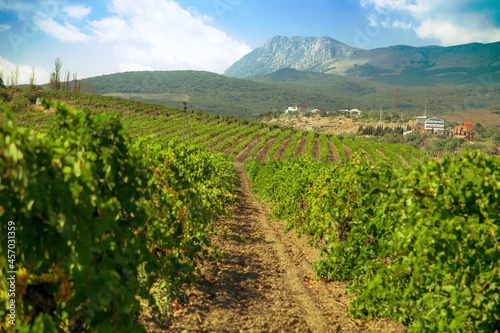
x,y
218,94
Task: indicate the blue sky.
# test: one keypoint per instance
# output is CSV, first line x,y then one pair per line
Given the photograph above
x,y
96,37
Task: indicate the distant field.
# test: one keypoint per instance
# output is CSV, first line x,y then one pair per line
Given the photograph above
x,y
483,116
344,125
335,126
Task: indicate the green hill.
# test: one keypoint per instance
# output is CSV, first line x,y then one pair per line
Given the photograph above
x,y
248,98
210,92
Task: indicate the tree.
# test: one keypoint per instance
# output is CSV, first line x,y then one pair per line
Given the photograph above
x,y
32,77
90,87
76,84
55,76
15,77
67,75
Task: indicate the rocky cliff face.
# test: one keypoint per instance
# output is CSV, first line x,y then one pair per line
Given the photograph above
x,y
301,53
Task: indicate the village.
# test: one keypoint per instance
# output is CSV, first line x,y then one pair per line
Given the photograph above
x,y
348,121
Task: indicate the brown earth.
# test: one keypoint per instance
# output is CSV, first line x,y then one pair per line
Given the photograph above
x,y
261,155
343,125
242,155
299,150
327,125
264,283
485,117
334,155
281,150
316,149
348,152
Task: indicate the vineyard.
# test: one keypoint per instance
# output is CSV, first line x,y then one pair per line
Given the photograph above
x,y
115,204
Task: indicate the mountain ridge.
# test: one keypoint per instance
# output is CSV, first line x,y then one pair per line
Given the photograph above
x,y
397,64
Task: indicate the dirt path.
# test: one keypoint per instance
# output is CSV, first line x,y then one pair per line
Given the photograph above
x,y
242,155
261,155
316,149
281,150
264,283
348,152
334,155
299,150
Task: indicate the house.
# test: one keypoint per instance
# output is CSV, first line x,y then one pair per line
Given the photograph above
x,y
316,110
301,107
463,131
297,108
468,126
434,125
356,111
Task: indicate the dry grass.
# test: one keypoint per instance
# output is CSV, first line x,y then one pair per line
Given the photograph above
x,y
483,116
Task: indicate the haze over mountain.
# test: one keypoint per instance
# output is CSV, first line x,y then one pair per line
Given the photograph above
x,y
403,65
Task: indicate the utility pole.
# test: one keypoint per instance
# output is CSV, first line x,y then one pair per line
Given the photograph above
x,y
396,100
186,124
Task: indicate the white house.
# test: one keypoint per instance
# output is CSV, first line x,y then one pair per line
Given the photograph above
x,y
435,125
291,109
352,111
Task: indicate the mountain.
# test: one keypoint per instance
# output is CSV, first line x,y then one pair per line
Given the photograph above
x,y
302,53
473,63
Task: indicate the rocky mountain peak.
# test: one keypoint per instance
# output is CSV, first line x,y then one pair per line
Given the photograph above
x,y
297,52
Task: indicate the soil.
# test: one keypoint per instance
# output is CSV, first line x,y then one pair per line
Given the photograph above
x,y
299,150
242,155
231,146
337,126
348,152
281,149
261,155
264,283
334,155
316,149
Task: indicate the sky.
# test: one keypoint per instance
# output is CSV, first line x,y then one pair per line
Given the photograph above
x,y
97,37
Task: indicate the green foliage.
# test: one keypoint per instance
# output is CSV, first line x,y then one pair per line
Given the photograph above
x,y
19,103
4,94
32,93
417,245
98,219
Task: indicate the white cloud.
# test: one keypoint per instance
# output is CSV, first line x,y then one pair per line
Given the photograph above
x,y
451,23
452,34
77,12
112,29
402,25
4,27
160,34
8,68
134,35
64,33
